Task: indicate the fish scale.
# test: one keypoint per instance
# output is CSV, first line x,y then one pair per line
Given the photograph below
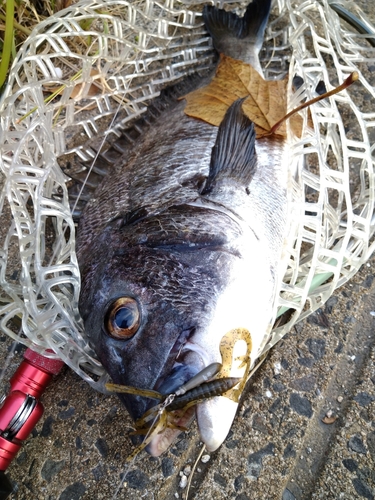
x,y
148,188
117,146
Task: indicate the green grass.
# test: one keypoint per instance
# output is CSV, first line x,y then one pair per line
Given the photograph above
x,y
8,42
17,20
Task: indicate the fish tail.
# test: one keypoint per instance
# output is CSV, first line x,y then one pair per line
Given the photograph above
x,y
239,37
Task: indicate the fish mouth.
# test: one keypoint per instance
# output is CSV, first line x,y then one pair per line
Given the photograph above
x,y
190,360
162,441
214,416
214,419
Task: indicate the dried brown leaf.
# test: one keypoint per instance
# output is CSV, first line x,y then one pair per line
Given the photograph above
x,y
210,103
265,105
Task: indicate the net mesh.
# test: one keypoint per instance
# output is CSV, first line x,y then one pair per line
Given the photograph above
x,y
65,90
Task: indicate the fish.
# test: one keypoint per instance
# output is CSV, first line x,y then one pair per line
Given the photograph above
x,y
184,242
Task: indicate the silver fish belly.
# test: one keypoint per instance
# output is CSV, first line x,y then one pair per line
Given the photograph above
x,y
180,245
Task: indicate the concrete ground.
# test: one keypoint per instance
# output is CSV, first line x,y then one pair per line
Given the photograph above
x,y
305,428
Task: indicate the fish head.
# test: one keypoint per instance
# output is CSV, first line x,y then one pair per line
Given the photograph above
x,y
156,307
145,303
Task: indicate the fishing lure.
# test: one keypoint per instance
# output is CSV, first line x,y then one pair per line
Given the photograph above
x,y
173,406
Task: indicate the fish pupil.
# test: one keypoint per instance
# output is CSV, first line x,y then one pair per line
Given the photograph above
x,y
124,318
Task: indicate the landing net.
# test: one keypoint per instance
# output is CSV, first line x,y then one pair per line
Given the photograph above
x,y
74,73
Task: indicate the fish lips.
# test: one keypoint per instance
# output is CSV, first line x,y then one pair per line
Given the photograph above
x,y
214,416
160,362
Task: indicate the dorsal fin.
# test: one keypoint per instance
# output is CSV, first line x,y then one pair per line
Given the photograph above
x,y
238,37
233,155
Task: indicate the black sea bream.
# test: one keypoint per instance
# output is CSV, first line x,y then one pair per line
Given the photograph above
x,y
183,243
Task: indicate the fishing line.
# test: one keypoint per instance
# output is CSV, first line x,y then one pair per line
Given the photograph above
x,y
193,470
131,462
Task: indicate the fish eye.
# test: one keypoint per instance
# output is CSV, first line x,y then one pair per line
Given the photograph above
x,y
122,319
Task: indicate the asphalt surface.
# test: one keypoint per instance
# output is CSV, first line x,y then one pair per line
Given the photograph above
x,y
305,428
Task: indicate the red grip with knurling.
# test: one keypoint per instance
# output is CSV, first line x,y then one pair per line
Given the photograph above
x,y
30,379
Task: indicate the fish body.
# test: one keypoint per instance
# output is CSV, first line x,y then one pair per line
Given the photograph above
x,y
183,243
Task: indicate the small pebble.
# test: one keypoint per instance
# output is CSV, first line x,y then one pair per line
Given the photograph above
x,y
187,470
340,399
58,72
268,394
277,367
301,405
355,444
363,398
329,413
176,495
372,313
205,458
183,482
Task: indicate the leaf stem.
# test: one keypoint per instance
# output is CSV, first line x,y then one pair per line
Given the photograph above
x,y
351,79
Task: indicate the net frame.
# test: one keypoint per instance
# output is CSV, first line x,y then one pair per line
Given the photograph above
x,y
68,81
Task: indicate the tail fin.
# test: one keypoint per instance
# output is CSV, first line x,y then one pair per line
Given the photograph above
x,y
239,37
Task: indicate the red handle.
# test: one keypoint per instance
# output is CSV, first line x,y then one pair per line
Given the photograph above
x,y
21,409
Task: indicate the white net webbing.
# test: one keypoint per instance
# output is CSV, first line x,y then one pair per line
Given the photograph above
x,y
82,65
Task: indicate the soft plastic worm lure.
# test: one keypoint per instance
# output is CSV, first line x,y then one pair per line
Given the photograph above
x,y
207,373
167,414
227,349
216,387
207,390
201,377
196,390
